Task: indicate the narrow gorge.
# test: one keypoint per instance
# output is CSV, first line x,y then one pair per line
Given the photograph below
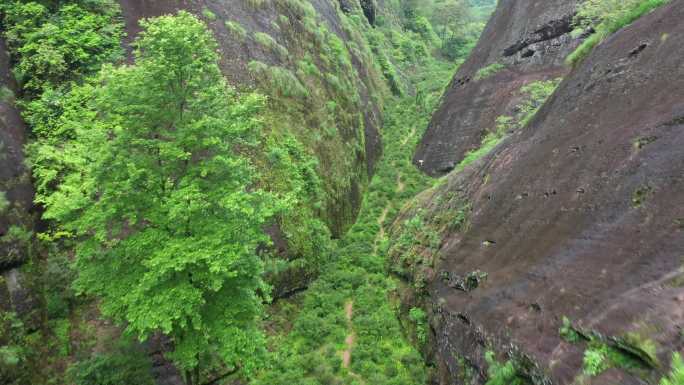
x,y
341,192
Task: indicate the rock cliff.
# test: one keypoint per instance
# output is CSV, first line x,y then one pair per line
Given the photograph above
x,y
579,216
524,41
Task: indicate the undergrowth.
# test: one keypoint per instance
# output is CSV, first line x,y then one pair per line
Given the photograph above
x,y
311,352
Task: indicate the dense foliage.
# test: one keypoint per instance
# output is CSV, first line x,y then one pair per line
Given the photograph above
x,y
160,201
454,25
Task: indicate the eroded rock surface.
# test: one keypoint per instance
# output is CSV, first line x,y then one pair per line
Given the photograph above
x,y
580,215
16,192
16,204
528,41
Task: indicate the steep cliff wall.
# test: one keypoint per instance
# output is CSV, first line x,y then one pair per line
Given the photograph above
x,y
257,38
579,216
524,41
16,198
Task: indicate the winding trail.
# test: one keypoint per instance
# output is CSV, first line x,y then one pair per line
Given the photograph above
x,y
383,216
349,305
346,354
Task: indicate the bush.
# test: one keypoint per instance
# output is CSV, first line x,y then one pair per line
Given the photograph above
x,y
419,318
595,360
501,374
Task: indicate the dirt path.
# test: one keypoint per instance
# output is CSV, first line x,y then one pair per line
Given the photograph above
x,y
383,216
346,354
409,136
349,306
381,233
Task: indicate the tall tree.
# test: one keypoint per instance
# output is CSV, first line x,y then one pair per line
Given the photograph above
x,y
450,16
162,205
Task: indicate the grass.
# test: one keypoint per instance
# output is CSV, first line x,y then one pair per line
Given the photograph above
x,y
488,71
611,23
4,202
257,4
236,29
536,94
6,94
208,14
490,141
568,332
676,376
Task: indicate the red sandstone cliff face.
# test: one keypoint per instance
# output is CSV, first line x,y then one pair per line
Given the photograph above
x,y
15,180
579,215
17,202
529,40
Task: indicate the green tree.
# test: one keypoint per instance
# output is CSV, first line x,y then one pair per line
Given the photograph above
x,y
163,206
450,17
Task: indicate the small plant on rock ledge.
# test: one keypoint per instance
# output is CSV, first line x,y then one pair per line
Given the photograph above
x,y
676,377
501,373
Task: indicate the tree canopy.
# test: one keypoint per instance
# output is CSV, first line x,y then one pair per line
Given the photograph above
x,y
163,204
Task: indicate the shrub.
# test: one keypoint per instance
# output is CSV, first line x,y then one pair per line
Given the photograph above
x,y
536,94
278,80
266,41
595,360
567,332
501,374
256,4
419,318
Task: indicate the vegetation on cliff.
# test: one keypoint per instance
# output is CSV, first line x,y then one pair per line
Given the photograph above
x,y
605,17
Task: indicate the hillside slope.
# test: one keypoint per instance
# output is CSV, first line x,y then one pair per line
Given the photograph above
x,y
524,41
580,215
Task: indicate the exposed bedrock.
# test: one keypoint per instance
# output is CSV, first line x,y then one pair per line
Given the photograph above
x,y
580,215
525,41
